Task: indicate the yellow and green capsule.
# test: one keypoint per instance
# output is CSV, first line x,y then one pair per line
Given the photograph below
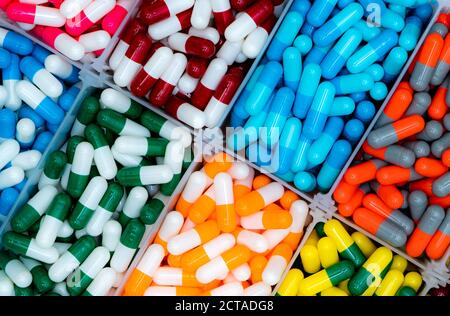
x,y
328,253
364,243
313,239
390,284
399,263
326,278
411,284
309,255
345,244
333,291
374,286
289,286
370,272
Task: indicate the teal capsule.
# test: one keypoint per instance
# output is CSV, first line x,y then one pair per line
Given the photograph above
x,y
342,106
292,65
287,145
309,83
320,148
305,181
410,35
394,62
304,44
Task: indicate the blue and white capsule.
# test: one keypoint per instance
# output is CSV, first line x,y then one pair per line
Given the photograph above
x,y
11,75
15,43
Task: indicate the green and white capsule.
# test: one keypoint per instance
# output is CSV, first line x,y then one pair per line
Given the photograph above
x,y
53,169
86,115
41,281
102,283
111,235
165,128
16,271
6,285
129,242
121,125
23,291
70,145
62,247
114,100
141,146
103,157
80,279
133,205
80,233
53,220
88,202
26,246
174,156
105,209
61,289
72,258
128,160
32,211
138,176
81,168
65,231
153,209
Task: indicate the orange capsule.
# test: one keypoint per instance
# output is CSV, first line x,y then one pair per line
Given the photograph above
x,y
442,18
425,185
257,265
347,209
220,162
430,168
438,106
273,207
344,192
363,172
288,198
446,158
395,175
260,181
389,194
211,285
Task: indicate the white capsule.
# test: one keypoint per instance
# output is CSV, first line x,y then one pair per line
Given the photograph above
x,y
229,51
64,266
131,145
6,285
135,202
61,289
13,102
95,262
187,84
115,100
56,65
208,33
155,174
104,160
173,132
122,257
93,193
94,41
175,70
191,115
151,260
48,16
254,43
10,177
171,226
253,241
71,8
124,159
164,28
111,235
26,26
48,231
9,148
274,269
126,71
239,170
45,255
102,283
65,230
27,160
241,58
195,186
47,83
275,236
18,273
25,132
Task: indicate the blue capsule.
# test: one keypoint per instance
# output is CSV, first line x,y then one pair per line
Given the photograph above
x,y
367,30
239,114
320,11
307,29
285,35
410,35
68,97
317,54
42,141
338,25
285,148
300,161
336,58
288,176
264,87
15,43
388,18
7,199
319,111
12,72
53,127
333,165
320,148
423,11
8,123
342,106
353,83
27,112
365,111
260,155
292,65
353,130
376,71
358,96
374,50
379,91
343,3
393,64
301,6
5,58
304,44
305,181
278,114
307,89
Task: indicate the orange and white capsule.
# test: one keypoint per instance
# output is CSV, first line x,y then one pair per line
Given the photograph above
x,y
239,170
190,239
226,215
257,265
171,276
194,188
258,289
170,227
299,212
229,289
192,260
269,219
278,261
142,275
172,291
220,162
243,186
203,207
242,273
222,264
252,240
258,199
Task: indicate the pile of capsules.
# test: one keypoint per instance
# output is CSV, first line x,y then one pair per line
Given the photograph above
x,y
84,224
37,89
187,56
400,189
232,233
335,263
324,75
78,29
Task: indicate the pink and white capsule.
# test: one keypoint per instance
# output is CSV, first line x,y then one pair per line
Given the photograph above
x,y
94,41
35,14
70,8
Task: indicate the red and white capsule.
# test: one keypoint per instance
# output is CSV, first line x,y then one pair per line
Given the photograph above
x,y
169,26
186,112
201,14
254,42
223,15
160,10
192,45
